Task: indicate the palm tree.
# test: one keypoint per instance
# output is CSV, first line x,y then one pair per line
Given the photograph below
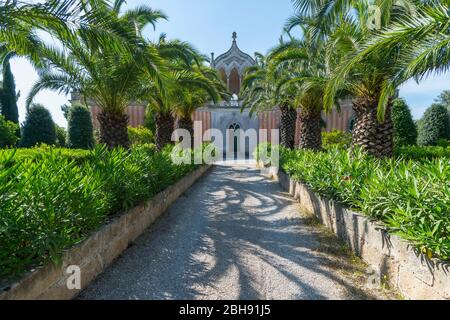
x,y
107,75
196,88
19,22
302,66
421,44
163,98
260,93
346,26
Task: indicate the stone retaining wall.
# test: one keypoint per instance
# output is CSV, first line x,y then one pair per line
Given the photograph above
x,y
411,273
99,250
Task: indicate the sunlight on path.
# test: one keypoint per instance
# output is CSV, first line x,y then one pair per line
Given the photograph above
x,y
233,235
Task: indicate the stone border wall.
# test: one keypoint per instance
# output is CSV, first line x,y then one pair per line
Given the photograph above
x,y
411,273
99,250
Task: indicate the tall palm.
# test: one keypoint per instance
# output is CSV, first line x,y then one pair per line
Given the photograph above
x,y
303,66
196,88
421,44
346,26
260,94
107,75
163,97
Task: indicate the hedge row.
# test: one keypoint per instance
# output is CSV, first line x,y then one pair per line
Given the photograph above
x,y
423,153
51,204
412,198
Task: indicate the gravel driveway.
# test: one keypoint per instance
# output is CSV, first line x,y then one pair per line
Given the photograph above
x,y
233,235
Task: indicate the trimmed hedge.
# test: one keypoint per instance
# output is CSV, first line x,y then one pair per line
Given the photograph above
x,y
411,198
49,204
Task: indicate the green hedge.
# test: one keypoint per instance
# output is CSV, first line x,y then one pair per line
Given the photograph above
x,y
50,202
412,198
423,153
42,152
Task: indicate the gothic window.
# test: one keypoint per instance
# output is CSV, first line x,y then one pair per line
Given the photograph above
x,y
223,76
235,83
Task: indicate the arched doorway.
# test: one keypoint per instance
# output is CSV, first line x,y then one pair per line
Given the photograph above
x,y
234,139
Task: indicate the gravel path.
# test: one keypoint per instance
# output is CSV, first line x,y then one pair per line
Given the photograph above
x,y
233,235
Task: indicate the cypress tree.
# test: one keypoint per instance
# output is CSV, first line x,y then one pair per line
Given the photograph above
x,y
38,127
80,132
9,96
405,131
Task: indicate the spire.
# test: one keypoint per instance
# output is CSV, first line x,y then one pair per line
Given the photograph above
x,y
234,37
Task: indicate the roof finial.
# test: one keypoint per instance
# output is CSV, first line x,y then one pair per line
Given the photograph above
x,y
234,36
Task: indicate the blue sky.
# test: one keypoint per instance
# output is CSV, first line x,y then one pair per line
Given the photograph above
x,y
208,25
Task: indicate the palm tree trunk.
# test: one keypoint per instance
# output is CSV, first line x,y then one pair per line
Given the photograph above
x,y
310,129
187,124
114,129
164,129
375,137
287,126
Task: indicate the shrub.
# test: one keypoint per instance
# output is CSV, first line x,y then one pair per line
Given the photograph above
x,y
434,126
80,132
140,135
8,131
405,131
263,153
38,127
423,153
61,136
410,197
49,202
42,151
336,139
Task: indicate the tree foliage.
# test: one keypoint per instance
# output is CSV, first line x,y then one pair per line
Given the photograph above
x,y
405,131
38,127
8,129
434,126
8,94
80,132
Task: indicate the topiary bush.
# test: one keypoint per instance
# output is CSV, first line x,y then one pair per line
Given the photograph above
x,y
434,126
38,127
405,131
8,129
80,131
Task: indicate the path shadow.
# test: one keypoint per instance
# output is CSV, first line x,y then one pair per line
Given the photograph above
x,y
231,215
